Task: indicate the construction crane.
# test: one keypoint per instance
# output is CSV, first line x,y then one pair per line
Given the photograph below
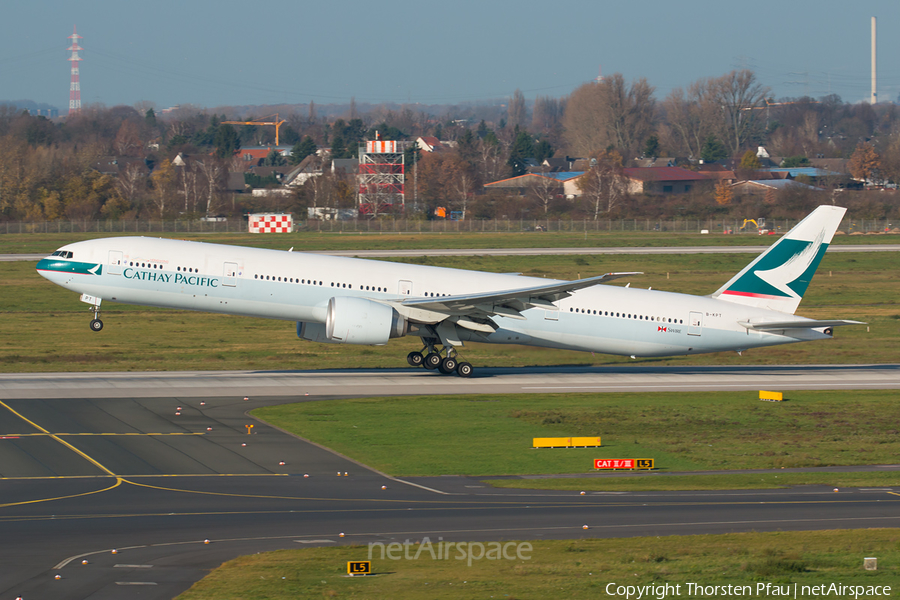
x,y
277,123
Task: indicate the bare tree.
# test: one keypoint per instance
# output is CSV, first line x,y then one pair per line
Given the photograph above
x,y
516,112
131,181
739,94
213,171
164,184
689,118
544,190
610,113
128,140
604,185
493,158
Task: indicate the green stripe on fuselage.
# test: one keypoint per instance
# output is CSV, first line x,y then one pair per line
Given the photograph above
x,y
69,266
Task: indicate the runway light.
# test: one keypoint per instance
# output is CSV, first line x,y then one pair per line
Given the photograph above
x,y
835,489
178,414
57,576
84,562
281,463
114,551
306,475
244,444
341,534
205,541
209,428
179,408
246,398
306,394
582,493
384,487
202,403
584,526
345,473
339,473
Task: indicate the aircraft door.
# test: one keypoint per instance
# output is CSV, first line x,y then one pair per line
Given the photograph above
x,y
405,288
695,323
229,274
114,266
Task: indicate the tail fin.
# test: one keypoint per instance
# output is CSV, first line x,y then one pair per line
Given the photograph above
x,y
778,278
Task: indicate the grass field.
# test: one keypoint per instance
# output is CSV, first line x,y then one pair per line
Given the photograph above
x,y
45,328
485,435
572,568
32,243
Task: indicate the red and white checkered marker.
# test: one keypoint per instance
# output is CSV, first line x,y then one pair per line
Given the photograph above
x,y
271,223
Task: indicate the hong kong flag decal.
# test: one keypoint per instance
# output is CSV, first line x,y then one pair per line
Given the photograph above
x,y
658,328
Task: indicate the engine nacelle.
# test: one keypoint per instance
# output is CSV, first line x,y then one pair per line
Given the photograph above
x,y
359,321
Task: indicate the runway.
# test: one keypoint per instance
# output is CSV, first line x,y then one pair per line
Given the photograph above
x,y
417,252
380,382
95,462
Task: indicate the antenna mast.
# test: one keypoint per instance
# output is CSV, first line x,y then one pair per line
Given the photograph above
x,y
75,84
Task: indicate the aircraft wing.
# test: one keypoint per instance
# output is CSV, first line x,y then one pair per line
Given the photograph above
x,y
797,324
507,303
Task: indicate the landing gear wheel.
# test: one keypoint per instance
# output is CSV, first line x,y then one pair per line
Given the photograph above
x,y
96,325
448,365
433,360
415,359
464,369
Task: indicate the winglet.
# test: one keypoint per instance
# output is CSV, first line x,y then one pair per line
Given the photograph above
x,y
778,278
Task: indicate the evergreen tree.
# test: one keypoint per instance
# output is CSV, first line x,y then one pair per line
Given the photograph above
x,y
712,150
150,118
227,141
522,148
302,149
542,150
651,147
338,148
274,159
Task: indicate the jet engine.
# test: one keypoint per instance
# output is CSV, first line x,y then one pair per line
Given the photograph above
x,y
360,321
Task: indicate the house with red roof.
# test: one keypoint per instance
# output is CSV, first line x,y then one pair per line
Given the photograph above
x,y
665,180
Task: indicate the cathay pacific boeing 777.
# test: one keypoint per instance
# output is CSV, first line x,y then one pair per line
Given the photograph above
x,y
357,301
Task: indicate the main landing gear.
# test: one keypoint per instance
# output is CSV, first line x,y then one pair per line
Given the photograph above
x,y
445,364
96,323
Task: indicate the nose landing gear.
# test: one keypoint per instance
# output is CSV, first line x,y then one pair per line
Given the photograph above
x,y
96,323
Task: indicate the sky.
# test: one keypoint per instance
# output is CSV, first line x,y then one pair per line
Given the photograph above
x,y
226,52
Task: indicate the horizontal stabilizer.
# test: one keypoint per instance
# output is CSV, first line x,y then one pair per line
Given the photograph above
x,y
797,324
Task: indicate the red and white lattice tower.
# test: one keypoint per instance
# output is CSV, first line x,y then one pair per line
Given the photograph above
x,y
381,176
75,85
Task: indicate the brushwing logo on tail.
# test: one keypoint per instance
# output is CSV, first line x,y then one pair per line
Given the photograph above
x,y
785,272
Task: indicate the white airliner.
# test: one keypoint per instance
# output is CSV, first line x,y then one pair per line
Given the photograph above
x,y
357,301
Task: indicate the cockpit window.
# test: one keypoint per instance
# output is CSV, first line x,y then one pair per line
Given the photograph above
x,y
62,254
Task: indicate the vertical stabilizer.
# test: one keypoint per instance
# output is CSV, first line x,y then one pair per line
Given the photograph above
x,y
778,278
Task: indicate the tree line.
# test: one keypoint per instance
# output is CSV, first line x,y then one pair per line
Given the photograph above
x,y
48,169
